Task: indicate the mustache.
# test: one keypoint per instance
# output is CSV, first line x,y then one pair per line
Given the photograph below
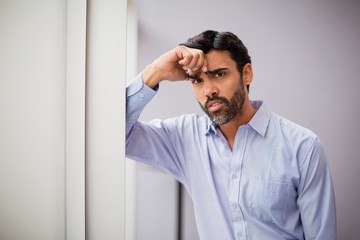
x,y
216,98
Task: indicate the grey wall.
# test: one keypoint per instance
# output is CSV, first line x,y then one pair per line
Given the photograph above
x,y
306,59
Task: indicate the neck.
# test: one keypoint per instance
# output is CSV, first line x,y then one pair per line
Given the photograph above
x,y
230,129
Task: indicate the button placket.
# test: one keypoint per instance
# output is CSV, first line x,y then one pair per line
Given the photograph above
x,y
235,179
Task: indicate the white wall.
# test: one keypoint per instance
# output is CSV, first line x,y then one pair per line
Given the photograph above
x,y
306,60
32,119
63,69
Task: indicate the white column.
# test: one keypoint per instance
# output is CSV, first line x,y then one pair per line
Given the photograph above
x,y
105,119
131,46
75,119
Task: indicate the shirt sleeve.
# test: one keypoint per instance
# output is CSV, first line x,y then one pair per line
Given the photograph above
x,y
156,143
316,198
138,95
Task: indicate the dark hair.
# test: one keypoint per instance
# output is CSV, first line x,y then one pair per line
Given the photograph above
x,y
213,40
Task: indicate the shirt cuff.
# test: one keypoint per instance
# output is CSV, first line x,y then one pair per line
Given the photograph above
x,y
139,90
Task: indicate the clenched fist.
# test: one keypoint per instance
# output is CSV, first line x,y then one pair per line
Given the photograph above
x,y
173,65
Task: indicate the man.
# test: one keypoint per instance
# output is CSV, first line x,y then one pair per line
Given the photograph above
x,y
250,173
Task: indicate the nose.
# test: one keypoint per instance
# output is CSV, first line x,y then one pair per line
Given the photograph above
x,y
210,89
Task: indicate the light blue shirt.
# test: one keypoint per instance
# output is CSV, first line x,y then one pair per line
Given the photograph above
x,y
274,184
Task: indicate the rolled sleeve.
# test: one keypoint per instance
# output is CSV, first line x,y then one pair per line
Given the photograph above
x,y
138,95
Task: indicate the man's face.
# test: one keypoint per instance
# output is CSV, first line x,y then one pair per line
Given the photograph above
x,y
220,91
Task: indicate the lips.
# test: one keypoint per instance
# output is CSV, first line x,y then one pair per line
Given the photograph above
x,y
214,105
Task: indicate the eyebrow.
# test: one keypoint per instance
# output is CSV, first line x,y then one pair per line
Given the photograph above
x,y
215,71
211,72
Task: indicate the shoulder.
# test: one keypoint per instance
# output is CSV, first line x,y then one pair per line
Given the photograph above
x,y
293,129
300,139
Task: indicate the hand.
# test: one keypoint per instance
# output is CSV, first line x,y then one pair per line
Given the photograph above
x,y
173,65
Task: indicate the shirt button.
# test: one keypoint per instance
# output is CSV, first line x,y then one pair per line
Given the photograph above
x,y
141,95
234,206
234,176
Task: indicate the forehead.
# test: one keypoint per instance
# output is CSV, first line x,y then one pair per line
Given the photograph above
x,y
219,58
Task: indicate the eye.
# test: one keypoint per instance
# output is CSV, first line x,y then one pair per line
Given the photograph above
x,y
219,74
196,80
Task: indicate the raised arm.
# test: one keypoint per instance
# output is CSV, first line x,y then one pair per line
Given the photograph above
x,y
173,64
153,142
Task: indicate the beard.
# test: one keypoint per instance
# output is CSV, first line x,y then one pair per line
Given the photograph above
x,y
232,107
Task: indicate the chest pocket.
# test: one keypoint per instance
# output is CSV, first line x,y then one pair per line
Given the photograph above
x,y
269,201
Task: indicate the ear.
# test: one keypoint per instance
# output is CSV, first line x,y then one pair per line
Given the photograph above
x,y
247,74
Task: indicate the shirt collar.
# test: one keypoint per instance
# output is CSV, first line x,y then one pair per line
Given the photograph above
x,y
259,121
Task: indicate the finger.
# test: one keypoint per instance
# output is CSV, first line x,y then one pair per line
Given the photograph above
x,y
193,59
199,62
188,57
204,66
183,55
